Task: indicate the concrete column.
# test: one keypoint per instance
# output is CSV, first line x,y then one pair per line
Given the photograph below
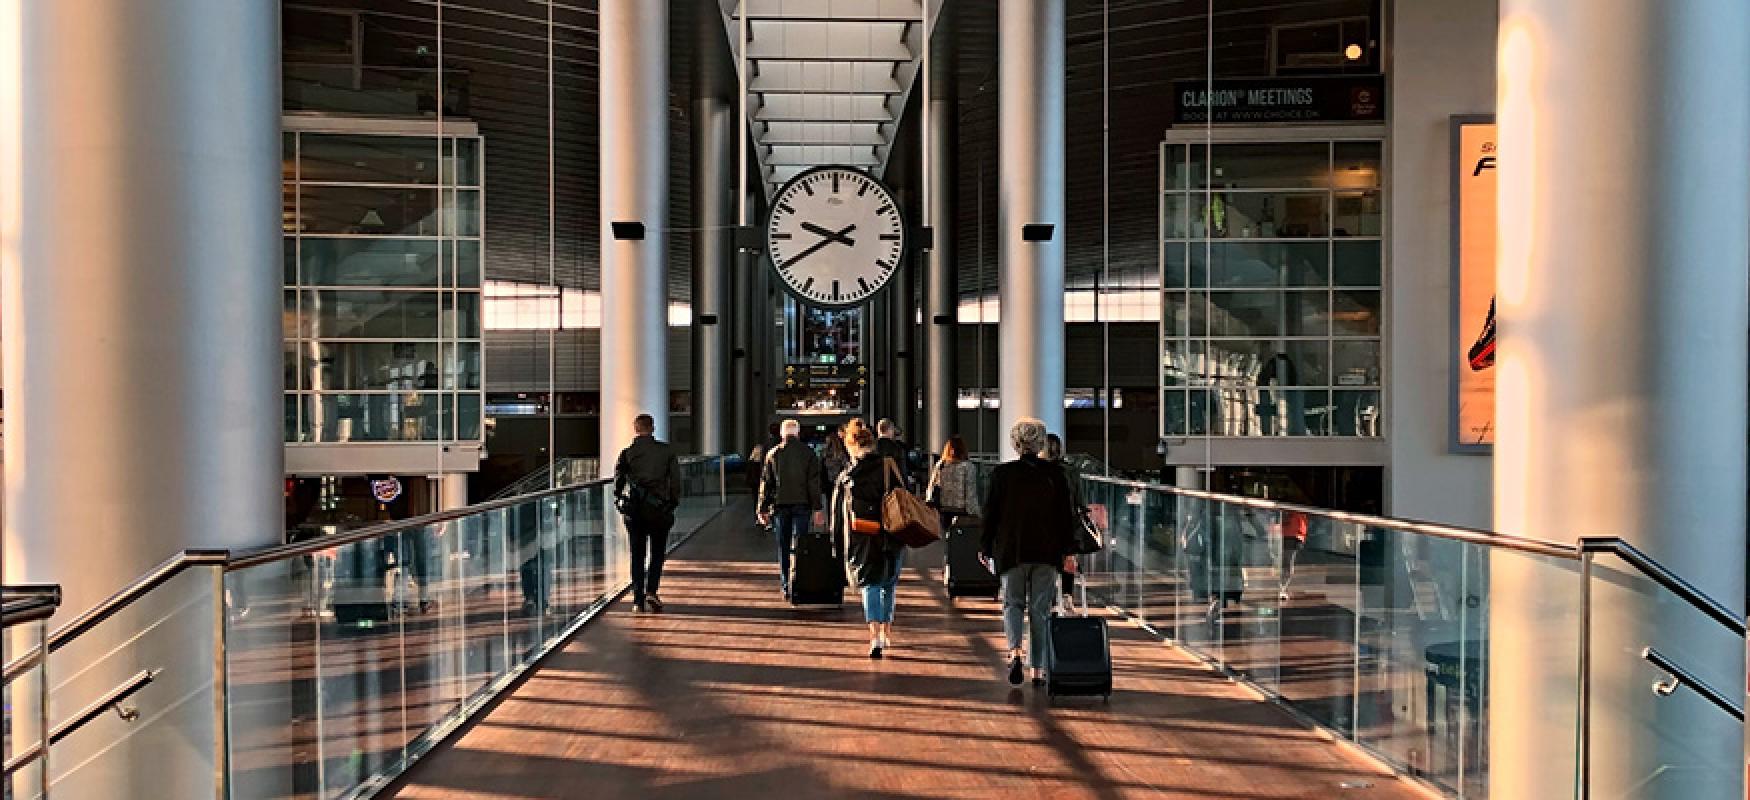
x,y
713,202
140,254
1624,225
634,189
1030,44
741,371
451,491
713,189
941,267
140,237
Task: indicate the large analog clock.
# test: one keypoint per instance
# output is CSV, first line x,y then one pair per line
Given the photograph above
x,y
835,236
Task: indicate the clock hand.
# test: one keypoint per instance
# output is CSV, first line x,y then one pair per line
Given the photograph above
x,y
840,236
812,249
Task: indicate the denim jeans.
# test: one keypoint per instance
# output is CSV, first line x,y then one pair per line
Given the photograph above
x,y
788,522
878,599
1029,593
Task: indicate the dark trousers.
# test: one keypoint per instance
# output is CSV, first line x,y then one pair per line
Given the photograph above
x,y
649,545
788,522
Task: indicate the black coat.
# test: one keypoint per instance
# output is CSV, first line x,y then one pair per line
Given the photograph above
x,y
869,559
1029,514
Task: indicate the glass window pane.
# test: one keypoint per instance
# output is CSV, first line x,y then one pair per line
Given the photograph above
x,y
394,417
1357,214
1355,363
371,262
468,416
464,213
1356,263
290,259
1255,314
1259,264
1257,215
291,327
462,365
461,168
371,314
1355,313
1176,315
369,158
1173,268
462,315
1178,221
366,211
1174,411
1355,413
467,254
1182,364
1271,362
1357,165
1291,165
351,366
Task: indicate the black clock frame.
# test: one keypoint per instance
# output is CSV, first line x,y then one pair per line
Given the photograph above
x,y
904,237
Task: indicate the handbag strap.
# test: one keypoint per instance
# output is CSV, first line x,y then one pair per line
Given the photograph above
x,y
889,471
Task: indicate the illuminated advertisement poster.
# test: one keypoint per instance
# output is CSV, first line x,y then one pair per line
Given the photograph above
x,y
1473,284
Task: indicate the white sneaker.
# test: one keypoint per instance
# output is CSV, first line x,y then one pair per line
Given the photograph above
x,y
1283,596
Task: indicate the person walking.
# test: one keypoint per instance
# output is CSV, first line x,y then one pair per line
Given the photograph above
x,y
873,557
789,494
834,461
891,446
647,489
1028,514
1071,566
953,487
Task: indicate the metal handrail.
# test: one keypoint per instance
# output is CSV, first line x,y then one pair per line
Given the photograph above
x,y
1681,677
281,552
28,603
267,555
108,608
112,699
1666,578
1475,536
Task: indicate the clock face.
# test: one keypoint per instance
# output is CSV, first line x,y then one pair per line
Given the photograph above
x,y
835,236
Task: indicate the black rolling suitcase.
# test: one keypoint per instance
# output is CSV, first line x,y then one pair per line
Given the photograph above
x,y
966,575
1080,659
817,578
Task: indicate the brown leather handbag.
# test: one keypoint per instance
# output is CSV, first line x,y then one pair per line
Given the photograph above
x,y
903,514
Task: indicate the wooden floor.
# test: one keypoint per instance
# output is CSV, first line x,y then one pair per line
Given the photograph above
x,y
733,693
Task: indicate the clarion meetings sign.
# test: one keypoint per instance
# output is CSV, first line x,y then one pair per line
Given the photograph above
x,y
1341,98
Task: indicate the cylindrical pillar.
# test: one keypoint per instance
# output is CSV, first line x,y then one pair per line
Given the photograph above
x,y
1030,230
713,189
1624,225
741,350
451,491
713,202
140,237
941,269
634,209
140,254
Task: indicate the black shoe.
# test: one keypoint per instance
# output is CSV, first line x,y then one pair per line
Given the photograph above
x,y
1015,671
655,603
875,650
1039,680
638,606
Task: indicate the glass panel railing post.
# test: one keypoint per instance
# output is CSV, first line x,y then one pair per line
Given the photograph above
x,y
1583,686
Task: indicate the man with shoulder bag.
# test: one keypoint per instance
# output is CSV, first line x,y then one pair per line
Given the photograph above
x,y
647,489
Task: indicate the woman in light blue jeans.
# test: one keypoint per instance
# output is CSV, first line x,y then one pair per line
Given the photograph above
x,y
872,556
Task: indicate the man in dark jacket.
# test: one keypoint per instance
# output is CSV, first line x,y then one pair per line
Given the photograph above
x,y
789,494
1028,521
889,445
647,488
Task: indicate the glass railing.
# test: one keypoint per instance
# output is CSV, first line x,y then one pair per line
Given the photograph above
x,y
325,668
1377,630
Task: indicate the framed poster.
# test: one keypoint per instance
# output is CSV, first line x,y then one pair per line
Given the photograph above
x,y
1473,284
